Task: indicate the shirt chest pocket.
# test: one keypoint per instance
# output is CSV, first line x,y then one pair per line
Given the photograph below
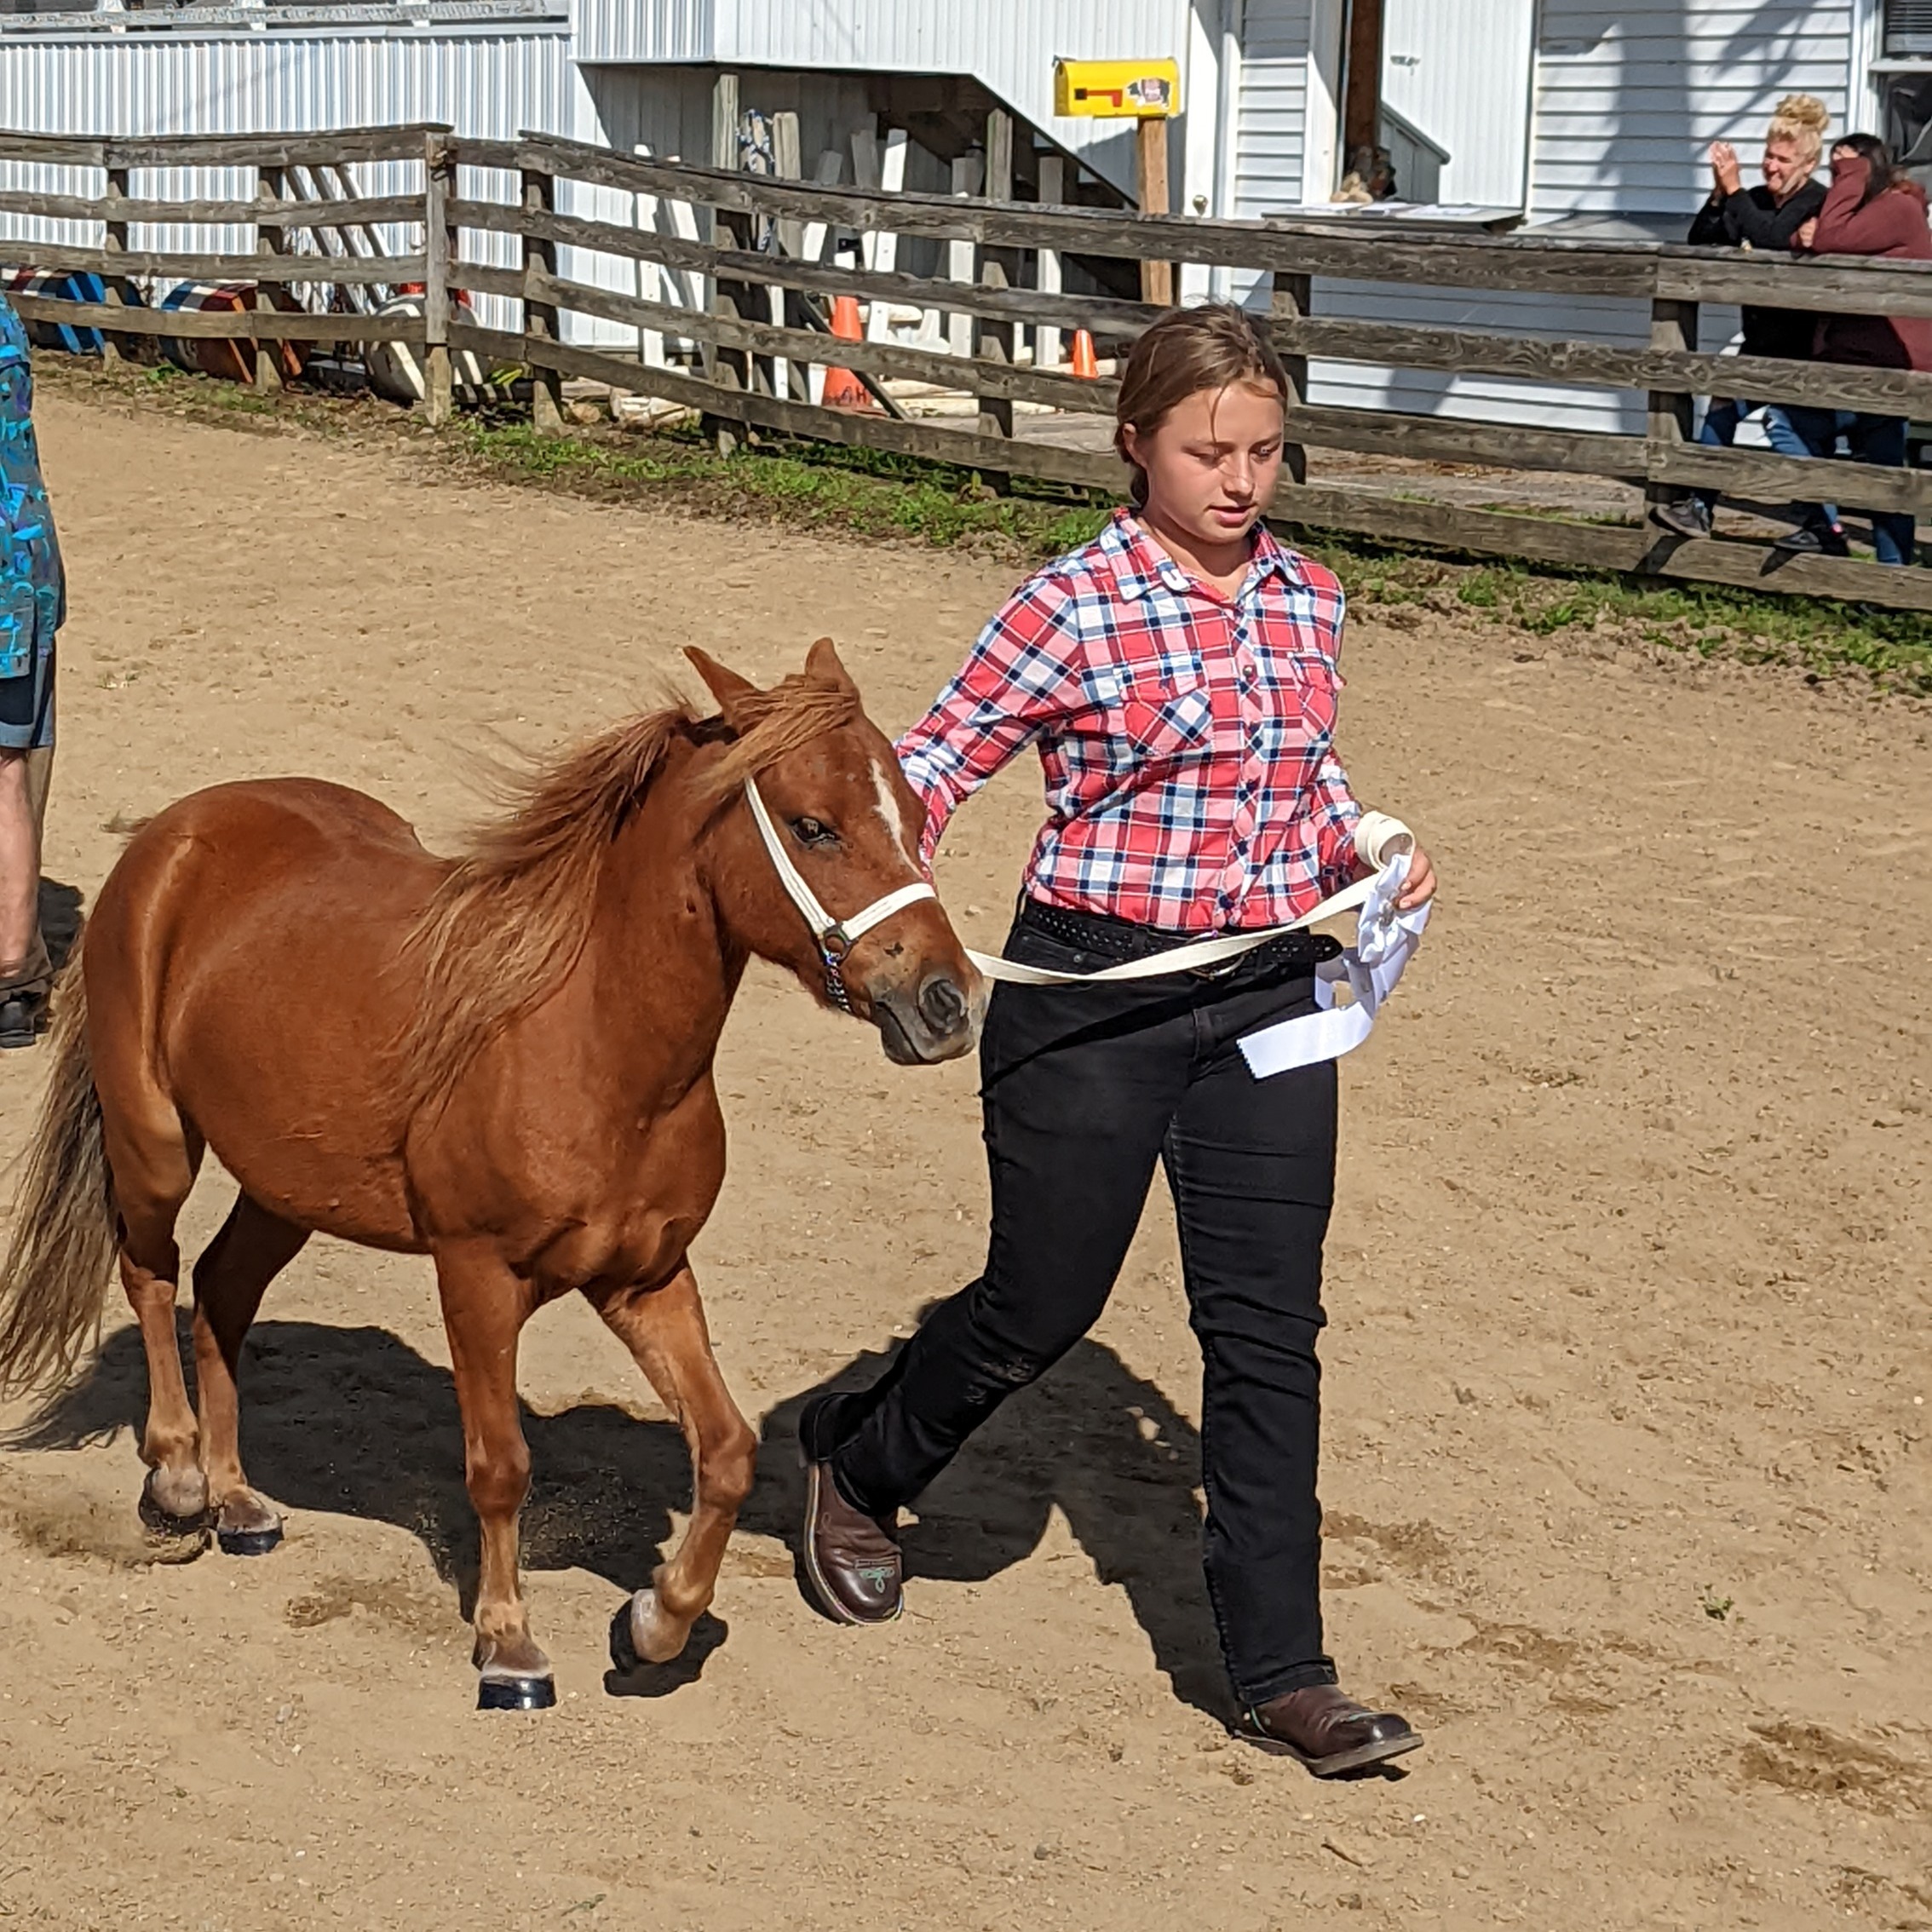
x,y
1303,692
1152,713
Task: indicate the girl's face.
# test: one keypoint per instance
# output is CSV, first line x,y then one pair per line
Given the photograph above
x,y
1213,463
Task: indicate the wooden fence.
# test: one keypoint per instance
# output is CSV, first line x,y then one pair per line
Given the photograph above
x,y
756,250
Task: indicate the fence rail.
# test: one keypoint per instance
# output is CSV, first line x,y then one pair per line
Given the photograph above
x,y
743,281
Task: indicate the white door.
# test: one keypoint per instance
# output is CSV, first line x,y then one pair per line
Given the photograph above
x,y
1459,71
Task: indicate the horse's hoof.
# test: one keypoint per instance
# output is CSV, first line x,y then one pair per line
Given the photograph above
x,y
623,1653
165,1527
515,1694
248,1542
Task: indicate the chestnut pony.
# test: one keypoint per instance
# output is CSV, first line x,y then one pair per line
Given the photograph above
x,y
503,1061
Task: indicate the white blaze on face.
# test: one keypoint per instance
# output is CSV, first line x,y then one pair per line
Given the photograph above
x,y
892,817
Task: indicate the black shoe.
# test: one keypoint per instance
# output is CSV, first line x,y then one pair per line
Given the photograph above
x,y
23,1018
1686,516
1813,539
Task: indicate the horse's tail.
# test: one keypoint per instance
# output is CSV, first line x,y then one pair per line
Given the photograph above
x,y
62,1253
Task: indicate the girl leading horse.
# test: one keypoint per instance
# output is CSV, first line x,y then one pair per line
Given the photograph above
x,y
502,1061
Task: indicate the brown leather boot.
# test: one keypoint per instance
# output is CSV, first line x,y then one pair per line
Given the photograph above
x,y
851,1560
1327,1730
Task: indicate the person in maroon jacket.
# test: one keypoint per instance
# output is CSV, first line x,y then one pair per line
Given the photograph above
x,y
1872,209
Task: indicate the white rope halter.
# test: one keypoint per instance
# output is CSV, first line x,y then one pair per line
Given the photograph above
x,y
835,938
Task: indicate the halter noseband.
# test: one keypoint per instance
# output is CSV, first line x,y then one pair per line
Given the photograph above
x,y
835,938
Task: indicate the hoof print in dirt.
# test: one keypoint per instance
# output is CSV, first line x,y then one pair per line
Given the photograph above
x,y
515,1694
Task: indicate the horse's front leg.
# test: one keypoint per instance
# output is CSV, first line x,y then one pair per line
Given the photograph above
x,y
484,1306
663,1328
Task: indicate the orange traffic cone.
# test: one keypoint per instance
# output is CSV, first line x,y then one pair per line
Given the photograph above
x,y
843,390
1086,365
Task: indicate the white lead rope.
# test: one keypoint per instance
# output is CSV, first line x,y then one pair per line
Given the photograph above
x,y
1386,940
1378,837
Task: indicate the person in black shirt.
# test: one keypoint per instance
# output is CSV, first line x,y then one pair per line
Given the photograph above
x,y
1766,218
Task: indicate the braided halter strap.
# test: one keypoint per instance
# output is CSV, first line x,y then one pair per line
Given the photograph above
x,y
835,938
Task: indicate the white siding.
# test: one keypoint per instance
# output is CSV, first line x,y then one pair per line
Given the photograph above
x,y
1271,107
1629,98
1461,73
1008,45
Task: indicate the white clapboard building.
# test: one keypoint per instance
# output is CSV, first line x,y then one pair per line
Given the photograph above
x,y
1589,118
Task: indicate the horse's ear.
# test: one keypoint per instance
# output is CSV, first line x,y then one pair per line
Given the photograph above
x,y
726,686
822,665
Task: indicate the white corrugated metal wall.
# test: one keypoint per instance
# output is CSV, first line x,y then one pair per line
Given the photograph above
x,y
490,84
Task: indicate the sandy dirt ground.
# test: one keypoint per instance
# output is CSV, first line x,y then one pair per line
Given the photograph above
x,y
1627,1473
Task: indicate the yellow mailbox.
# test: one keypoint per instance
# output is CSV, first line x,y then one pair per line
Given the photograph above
x,y
1106,90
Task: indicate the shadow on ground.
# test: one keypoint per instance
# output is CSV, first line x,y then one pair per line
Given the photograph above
x,y
351,1420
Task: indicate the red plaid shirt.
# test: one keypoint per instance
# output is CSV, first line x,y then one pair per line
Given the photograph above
x,y
1185,737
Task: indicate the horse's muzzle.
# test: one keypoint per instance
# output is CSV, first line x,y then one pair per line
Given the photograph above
x,y
940,1021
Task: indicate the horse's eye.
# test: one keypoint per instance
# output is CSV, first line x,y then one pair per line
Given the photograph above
x,y
813,831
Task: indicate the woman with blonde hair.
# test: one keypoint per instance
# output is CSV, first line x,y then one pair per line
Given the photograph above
x,y
1178,678
1767,217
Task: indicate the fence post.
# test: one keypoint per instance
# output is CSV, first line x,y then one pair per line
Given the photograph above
x,y
730,368
992,341
114,289
1291,304
1150,167
270,184
438,246
1673,329
539,314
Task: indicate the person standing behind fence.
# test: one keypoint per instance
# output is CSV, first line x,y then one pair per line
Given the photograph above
x,y
32,604
1872,209
1769,218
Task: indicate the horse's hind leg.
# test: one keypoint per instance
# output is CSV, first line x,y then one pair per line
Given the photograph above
x,y
153,1175
252,1248
663,1328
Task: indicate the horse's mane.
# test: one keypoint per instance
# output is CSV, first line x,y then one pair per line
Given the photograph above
x,y
510,918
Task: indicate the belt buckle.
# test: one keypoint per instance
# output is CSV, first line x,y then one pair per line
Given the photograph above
x,y
1227,967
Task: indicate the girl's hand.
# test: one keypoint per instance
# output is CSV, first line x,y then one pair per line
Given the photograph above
x,y
1724,166
1419,888
1807,235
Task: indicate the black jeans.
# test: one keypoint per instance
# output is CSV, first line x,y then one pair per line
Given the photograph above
x,y
1084,1089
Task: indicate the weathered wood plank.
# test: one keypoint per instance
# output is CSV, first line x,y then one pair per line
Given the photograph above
x,y
1767,478
1592,269
342,148
1445,439
1646,552
1900,392
1104,317
964,373
1835,284
212,214
215,267
1756,474
246,323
